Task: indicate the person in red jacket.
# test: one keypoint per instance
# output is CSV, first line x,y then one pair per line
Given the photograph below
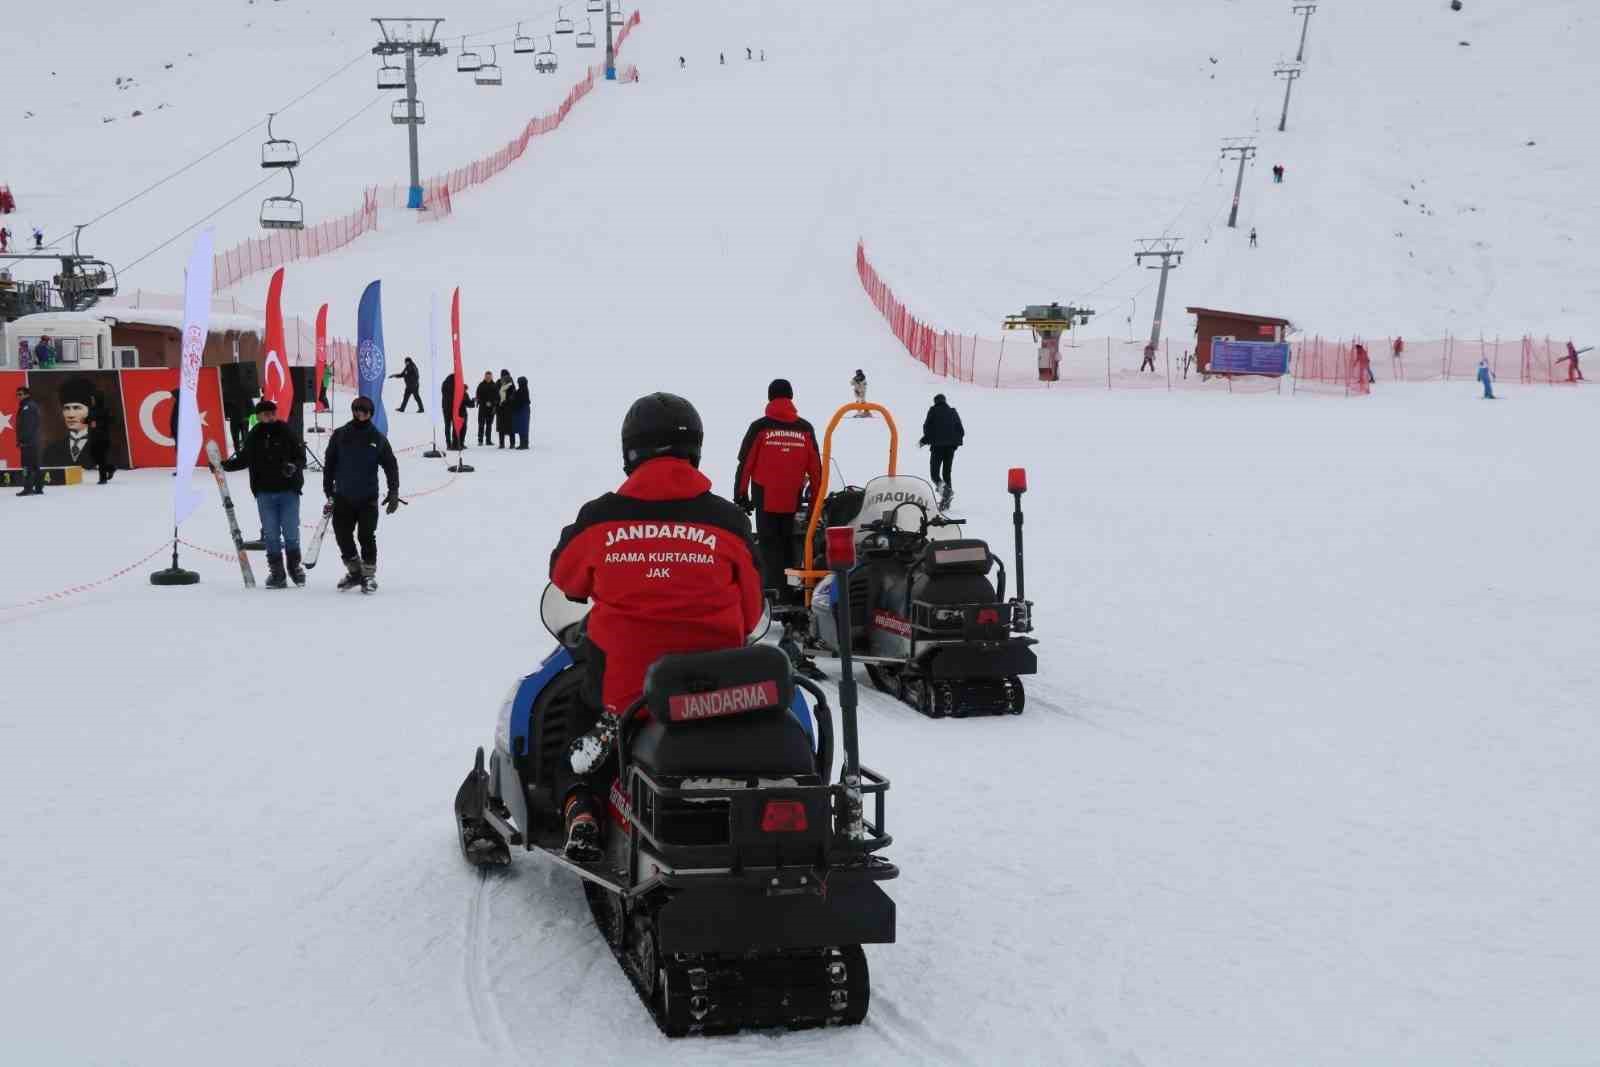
x,y
777,461
670,567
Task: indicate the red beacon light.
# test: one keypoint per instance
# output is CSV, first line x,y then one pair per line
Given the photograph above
x,y
1017,480
841,547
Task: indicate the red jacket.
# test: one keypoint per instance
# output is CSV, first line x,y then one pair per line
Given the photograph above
x,y
670,567
779,455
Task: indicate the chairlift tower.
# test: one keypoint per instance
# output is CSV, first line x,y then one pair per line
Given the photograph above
x,y
611,47
1290,73
1048,322
1244,148
411,37
1165,249
1304,9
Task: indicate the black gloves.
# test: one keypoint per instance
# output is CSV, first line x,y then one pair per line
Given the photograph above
x,y
744,503
391,503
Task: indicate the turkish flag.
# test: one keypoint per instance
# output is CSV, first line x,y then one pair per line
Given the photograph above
x,y
10,382
147,413
322,357
275,383
461,380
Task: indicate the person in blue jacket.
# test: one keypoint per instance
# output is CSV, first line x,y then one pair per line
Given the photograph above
x,y
1486,376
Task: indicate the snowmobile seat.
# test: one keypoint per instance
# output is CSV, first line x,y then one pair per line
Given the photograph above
x,y
723,713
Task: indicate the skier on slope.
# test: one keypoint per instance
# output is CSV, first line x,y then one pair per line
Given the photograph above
x,y
275,459
778,464
356,451
942,434
706,598
1574,371
412,376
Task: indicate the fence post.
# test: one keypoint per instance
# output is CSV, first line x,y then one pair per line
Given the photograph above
x,y
1108,364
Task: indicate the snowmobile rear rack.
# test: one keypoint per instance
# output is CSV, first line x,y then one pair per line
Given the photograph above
x,y
809,576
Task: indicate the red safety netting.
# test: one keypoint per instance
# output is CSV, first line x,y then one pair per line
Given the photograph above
x,y
287,246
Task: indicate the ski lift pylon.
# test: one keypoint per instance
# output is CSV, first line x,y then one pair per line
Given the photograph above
x,y
586,38
467,62
521,45
283,212
279,151
563,24
489,73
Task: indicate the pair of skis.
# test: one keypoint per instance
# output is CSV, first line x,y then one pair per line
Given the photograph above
x,y
313,550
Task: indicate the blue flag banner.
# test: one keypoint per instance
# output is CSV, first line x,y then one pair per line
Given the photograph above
x,y
371,364
1249,357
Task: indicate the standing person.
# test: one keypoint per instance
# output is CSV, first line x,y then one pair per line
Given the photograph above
x,y
748,55
412,376
682,63
709,600
1574,371
24,355
722,58
1397,351
44,356
522,414
503,422
447,394
488,395
38,239
101,420
1364,364
5,239
778,464
1252,237
1149,362
356,451
275,458
942,433
1486,376
29,426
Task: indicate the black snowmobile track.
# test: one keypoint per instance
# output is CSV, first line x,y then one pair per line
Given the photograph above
x,y
711,995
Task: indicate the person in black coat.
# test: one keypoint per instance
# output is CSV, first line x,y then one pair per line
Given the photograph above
x,y
28,427
412,376
504,421
356,452
942,433
488,400
522,413
447,391
274,456
101,420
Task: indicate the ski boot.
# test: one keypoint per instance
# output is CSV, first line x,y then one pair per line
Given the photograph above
x,y
352,575
275,575
947,496
802,663
369,580
297,572
583,830
590,750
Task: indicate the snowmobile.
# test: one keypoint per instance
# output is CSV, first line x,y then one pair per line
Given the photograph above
x,y
740,880
926,620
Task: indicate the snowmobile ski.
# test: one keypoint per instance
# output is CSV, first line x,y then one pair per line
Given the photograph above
x,y
214,458
314,549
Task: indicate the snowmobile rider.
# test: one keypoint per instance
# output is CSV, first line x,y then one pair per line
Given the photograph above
x,y
777,461
350,482
669,566
274,456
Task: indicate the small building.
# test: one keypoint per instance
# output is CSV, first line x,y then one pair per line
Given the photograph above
x,y
155,336
1211,324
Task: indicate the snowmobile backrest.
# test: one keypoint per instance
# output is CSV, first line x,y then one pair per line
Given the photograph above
x,y
692,687
957,557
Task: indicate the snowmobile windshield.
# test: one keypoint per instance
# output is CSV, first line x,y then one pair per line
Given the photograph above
x,y
887,492
561,615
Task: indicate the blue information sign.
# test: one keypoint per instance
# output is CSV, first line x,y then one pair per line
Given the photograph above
x,y
1249,357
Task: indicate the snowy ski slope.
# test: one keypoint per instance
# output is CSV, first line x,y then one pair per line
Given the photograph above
x,y
1306,777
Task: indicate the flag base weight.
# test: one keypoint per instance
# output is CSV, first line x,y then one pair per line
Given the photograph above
x,y
174,576
460,468
316,429
433,453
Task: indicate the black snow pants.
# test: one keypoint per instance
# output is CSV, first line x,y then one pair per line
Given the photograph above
x,y
411,391
939,459
485,424
353,518
775,545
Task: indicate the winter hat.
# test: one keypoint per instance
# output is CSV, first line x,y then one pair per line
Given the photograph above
x,y
780,387
938,398
76,391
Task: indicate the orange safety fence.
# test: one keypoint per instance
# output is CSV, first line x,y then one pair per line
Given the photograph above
x,y
258,254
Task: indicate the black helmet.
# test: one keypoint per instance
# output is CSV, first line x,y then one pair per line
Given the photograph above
x,y
661,425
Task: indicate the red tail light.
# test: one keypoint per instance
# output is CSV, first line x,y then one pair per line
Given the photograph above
x,y
784,817
841,547
1017,480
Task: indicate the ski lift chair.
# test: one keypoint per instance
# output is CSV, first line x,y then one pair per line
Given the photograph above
x,y
596,6
521,45
400,116
467,62
391,77
545,62
283,212
616,14
563,24
489,73
586,38
279,151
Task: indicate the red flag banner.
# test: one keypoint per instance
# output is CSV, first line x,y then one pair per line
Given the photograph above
x,y
461,378
322,357
275,384
147,414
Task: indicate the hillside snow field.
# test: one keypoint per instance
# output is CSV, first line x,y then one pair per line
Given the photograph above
x,y
1306,775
